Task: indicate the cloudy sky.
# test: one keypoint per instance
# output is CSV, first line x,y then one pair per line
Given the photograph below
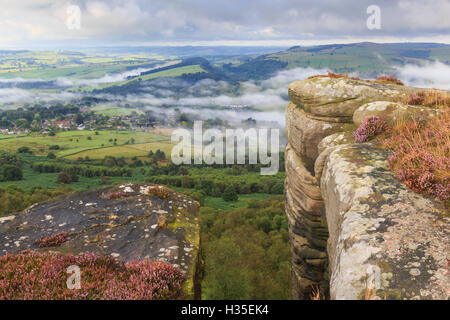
x,y
40,23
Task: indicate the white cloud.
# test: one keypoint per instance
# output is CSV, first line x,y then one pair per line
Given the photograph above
x,y
428,75
40,22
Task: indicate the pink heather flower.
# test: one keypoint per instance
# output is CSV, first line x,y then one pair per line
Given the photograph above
x,y
371,126
102,278
52,241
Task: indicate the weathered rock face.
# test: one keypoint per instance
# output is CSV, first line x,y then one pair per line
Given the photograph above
x,y
305,131
382,235
123,221
307,229
392,112
353,226
329,97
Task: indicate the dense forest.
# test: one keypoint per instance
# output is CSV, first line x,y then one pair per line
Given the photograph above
x,y
246,252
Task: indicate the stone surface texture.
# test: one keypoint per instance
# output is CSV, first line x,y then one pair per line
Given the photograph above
x,y
133,226
356,231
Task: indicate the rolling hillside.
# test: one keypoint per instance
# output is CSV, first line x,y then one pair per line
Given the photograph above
x,y
365,58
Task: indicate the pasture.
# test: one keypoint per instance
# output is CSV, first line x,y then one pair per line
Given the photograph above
x,y
74,144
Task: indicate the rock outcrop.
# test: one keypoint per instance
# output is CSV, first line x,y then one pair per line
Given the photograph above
x,y
356,231
128,222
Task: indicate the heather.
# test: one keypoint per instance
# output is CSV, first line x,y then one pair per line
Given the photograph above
x,y
371,126
431,98
52,241
334,76
32,275
421,155
389,80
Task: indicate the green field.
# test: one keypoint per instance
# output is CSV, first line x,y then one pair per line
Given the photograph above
x,y
175,72
113,111
77,65
32,179
74,144
220,204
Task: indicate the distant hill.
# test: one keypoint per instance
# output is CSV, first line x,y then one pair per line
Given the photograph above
x,y
368,59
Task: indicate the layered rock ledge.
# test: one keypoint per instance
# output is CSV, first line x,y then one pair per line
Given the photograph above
x,y
356,231
126,222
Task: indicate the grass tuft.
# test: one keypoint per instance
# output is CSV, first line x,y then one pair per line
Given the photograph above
x,y
421,155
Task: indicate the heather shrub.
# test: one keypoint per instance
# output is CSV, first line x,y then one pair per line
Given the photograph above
x,y
102,278
421,155
432,99
371,126
158,191
389,79
332,75
116,195
52,241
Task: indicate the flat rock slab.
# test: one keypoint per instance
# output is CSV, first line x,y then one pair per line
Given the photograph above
x,y
383,236
330,97
131,227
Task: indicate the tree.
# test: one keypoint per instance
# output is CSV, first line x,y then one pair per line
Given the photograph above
x,y
230,194
187,182
215,192
79,119
277,188
11,172
64,178
109,161
223,279
51,155
24,150
198,196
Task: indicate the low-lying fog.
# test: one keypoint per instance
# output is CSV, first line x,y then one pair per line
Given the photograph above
x,y
264,101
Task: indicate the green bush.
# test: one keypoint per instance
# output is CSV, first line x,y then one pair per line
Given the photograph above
x,y
277,188
230,194
24,150
11,172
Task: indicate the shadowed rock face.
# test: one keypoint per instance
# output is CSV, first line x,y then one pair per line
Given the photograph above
x,y
352,225
133,226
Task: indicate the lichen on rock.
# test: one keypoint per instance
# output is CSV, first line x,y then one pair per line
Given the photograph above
x,y
383,241
124,222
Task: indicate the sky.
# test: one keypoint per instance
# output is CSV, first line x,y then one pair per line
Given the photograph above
x,y
41,23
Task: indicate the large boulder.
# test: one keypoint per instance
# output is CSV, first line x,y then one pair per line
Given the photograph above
x,y
331,97
128,222
386,242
